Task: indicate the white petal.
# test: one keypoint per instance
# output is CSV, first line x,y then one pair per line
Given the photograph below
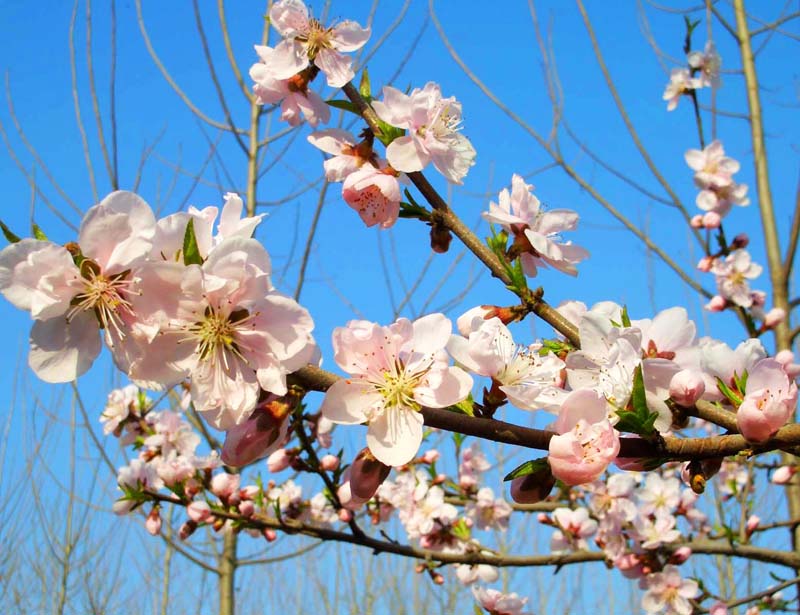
x,y
61,351
394,437
349,401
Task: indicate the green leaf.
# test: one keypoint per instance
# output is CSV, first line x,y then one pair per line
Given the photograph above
x,y
344,105
741,381
10,237
554,346
413,209
729,393
388,133
364,87
458,439
529,467
626,321
191,253
38,233
465,406
640,420
638,396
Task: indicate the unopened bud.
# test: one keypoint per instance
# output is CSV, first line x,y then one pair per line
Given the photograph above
x,y
247,508
753,521
439,479
716,304
153,522
270,534
254,438
367,474
187,529
680,555
430,456
740,241
712,220
198,511
345,516
696,221
440,238
438,579
705,264
686,387
533,487
774,317
329,463
783,475
225,485
279,460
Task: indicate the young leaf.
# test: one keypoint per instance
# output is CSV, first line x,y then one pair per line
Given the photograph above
x,y
344,105
729,393
626,321
191,253
529,467
364,87
10,237
38,233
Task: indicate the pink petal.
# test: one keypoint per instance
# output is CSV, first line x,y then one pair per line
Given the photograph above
x,y
289,17
349,36
61,351
349,401
394,437
336,66
288,58
404,155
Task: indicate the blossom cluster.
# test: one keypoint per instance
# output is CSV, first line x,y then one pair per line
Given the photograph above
x,y
702,70
171,299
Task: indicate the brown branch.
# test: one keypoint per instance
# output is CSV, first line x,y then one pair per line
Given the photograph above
x,y
668,447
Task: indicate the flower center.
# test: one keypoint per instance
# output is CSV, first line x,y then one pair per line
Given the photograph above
x,y
103,294
217,334
398,387
317,38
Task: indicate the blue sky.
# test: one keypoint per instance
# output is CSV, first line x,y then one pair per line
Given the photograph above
x,y
345,278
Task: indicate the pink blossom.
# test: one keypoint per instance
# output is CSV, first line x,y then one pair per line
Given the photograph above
x,y
718,608
497,603
574,527
467,574
708,63
732,274
680,83
526,377
396,370
537,231
223,324
667,592
433,125
488,512
774,317
717,303
139,474
586,443
306,40
71,304
712,168
659,495
374,194
783,475
720,199
199,511
770,399
278,460
349,154
119,405
225,485
712,220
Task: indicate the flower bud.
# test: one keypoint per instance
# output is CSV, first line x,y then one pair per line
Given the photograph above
x,y
224,485
774,317
716,304
686,387
270,534
438,579
740,241
199,511
254,438
696,221
680,555
329,463
440,238
123,507
367,474
533,487
279,460
705,264
719,608
345,494
345,516
430,456
187,529
783,475
153,522
247,508
712,220
753,521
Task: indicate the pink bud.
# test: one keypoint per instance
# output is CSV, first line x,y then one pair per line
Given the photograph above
x,y
253,439
680,555
329,463
783,475
712,220
430,456
198,511
247,508
279,460
123,507
752,523
345,516
533,487
270,534
544,519
784,357
249,492
224,485
686,387
153,522
439,479
740,241
472,319
759,298
438,579
367,474
718,608
696,221
705,264
716,304
774,317
187,529
345,494
630,565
